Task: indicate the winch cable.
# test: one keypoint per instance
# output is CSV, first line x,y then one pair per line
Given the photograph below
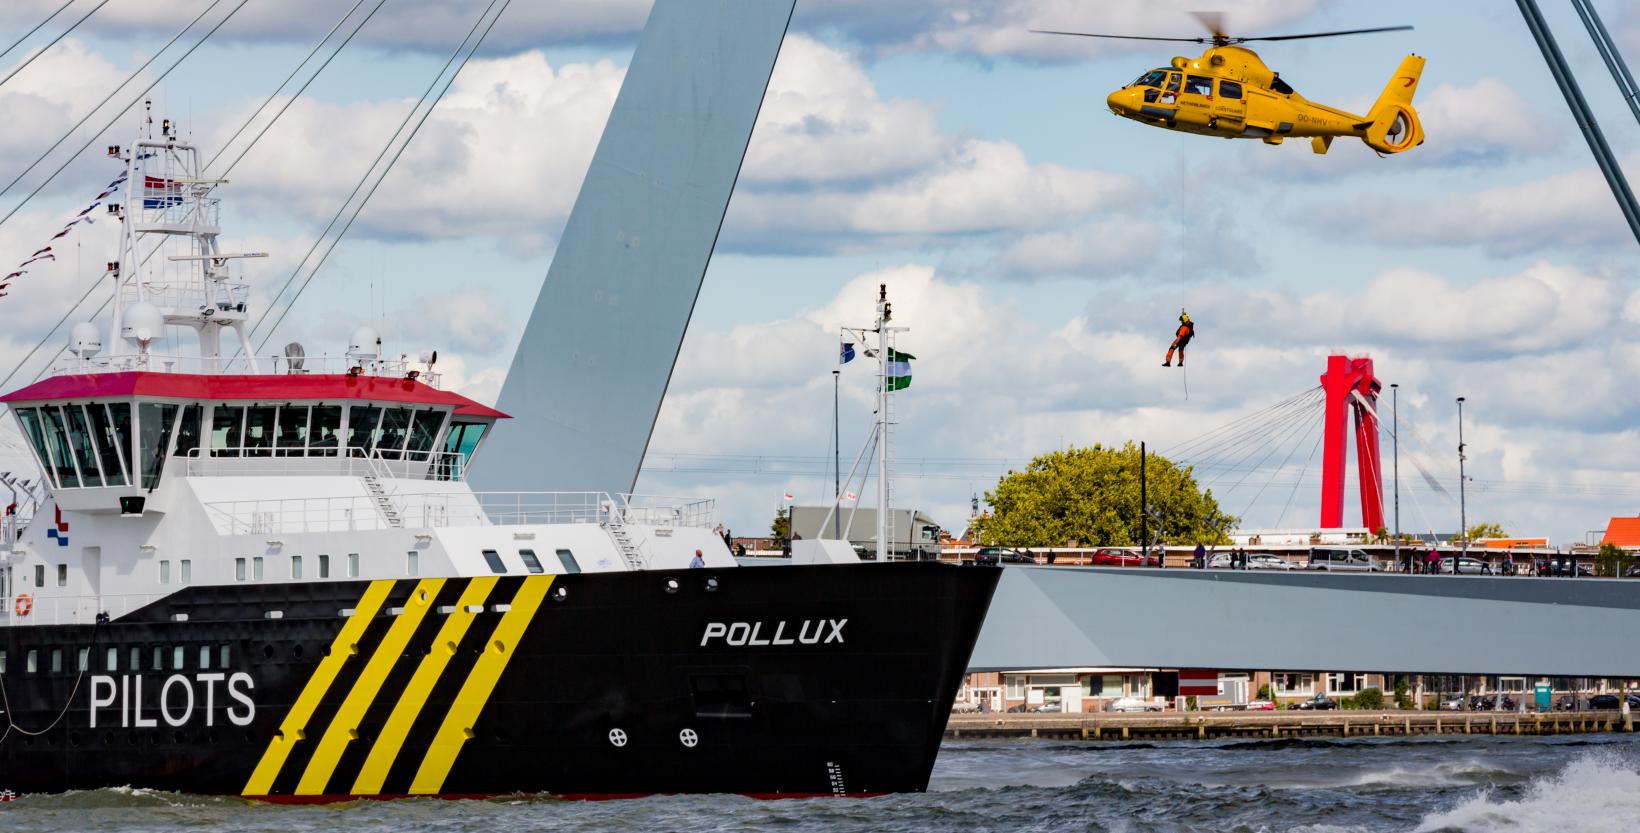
x,y
293,96
99,132
47,48
384,171
5,699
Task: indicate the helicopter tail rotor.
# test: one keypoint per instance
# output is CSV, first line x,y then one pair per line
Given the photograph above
x,y
1393,124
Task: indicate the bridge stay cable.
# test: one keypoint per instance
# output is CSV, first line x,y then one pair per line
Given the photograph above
x,y
1223,454
47,48
371,171
1273,435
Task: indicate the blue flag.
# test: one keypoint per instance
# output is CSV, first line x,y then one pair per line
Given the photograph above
x,y
847,353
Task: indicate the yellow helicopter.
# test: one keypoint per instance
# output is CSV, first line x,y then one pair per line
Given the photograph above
x,y
1229,92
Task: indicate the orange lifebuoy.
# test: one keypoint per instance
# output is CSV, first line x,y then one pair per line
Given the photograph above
x,y
25,604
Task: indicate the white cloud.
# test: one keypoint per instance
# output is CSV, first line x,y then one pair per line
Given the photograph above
x,y
1112,248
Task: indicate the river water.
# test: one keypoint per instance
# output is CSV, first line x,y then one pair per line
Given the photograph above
x,y
1575,784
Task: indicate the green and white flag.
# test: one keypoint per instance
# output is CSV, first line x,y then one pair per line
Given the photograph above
x,y
898,370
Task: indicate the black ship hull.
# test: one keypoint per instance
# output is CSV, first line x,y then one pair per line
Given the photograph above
x,y
784,681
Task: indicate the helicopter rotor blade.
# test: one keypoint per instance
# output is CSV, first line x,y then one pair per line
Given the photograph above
x,y
1120,37
1213,22
1325,34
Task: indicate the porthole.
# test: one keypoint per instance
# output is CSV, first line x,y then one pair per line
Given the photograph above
x,y
560,594
671,585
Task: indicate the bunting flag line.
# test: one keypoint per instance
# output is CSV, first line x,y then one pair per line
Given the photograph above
x,y
171,195
90,208
38,252
41,257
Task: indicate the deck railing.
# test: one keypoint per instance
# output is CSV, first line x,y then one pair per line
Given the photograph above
x,y
453,509
347,462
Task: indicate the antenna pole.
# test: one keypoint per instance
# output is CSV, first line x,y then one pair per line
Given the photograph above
x,y
837,457
1395,450
882,423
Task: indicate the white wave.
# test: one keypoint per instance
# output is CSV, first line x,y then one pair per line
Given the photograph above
x,y
1598,792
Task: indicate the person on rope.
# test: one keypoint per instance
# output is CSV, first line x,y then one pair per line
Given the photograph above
x,y
1181,337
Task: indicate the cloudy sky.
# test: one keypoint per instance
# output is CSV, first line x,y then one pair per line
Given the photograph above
x,y
1038,246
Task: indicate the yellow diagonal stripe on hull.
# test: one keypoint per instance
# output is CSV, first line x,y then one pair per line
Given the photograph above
x,y
386,749
475,692
295,724
344,726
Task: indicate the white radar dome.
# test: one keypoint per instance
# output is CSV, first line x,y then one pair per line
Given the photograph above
x,y
142,322
85,340
365,344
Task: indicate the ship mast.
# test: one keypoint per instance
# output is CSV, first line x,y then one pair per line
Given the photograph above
x,y
174,217
885,420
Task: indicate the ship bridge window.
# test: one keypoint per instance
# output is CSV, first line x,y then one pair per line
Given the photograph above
x,y
29,420
325,431
62,463
395,427
188,430
293,430
121,413
362,422
154,424
423,433
227,429
114,465
259,428
531,563
79,438
461,439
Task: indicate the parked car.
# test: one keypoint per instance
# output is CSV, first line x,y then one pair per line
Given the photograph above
x,y
1338,558
1001,555
1261,706
1320,702
1634,572
1132,704
1113,557
1570,703
1455,703
1466,565
1266,561
1560,567
1611,701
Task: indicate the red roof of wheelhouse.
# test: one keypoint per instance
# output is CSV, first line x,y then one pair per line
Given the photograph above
x,y
258,388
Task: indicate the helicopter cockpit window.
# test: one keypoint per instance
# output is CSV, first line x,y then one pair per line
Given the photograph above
x,y
1153,78
1198,84
1173,82
1281,86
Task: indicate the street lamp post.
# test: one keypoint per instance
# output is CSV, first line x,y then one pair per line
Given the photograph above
x,y
1463,507
1395,436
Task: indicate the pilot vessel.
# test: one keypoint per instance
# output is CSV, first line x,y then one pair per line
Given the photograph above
x,y
267,576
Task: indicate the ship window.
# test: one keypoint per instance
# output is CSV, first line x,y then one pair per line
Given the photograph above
x,y
164,571
187,574
239,569
179,658
412,563
154,423
108,446
120,412
227,427
720,695
136,659
159,658
259,428
352,565
325,429
493,558
113,660
79,436
2,662
567,558
62,575
293,429
32,664
395,425
204,657
56,660
423,433
296,566
223,654
57,444
256,568
39,575
29,419
361,426
1229,89
324,566
188,430
84,660
531,563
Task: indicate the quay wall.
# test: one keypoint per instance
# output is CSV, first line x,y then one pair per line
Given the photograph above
x,y
1281,724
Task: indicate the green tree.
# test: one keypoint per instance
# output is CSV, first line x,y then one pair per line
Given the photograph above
x,y
1612,561
781,525
1370,699
1486,530
1091,496
1403,697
